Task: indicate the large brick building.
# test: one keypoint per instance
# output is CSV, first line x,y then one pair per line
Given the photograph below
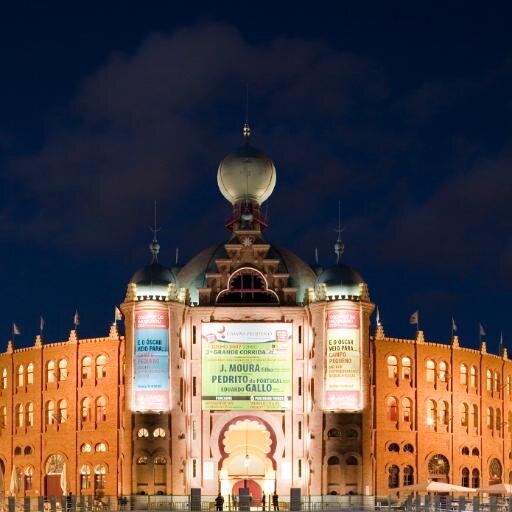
x,y
246,366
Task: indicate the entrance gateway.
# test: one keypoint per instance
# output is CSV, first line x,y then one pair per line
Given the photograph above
x,y
247,445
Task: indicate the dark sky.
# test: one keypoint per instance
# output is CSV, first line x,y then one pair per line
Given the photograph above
x,y
401,111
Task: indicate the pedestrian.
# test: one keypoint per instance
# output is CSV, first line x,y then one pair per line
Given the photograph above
x,y
263,500
275,501
69,502
219,502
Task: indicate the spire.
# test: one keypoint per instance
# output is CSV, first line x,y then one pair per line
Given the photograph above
x,y
154,246
339,247
247,129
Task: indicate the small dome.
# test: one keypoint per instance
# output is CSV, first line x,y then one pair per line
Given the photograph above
x,y
153,280
246,174
340,280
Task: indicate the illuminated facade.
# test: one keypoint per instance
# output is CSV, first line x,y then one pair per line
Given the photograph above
x,y
246,366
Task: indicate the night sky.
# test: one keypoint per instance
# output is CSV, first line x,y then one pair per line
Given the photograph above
x,y
401,112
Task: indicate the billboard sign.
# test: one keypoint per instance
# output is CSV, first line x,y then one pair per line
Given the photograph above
x,y
151,361
246,366
343,391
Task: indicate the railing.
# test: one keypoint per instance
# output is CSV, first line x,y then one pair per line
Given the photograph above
x,y
355,503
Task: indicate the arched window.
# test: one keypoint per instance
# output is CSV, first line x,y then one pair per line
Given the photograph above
x,y
21,375
100,471
430,367
392,367
333,461
63,369
20,415
488,380
159,432
463,374
17,450
86,367
352,433
443,371
431,413
497,381
465,477
407,410
393,477
392,408
464,414
3,416
247,286
406,368
86,448
101,408
143,432
473,377
495,471
475,478
85,476
334,432
4,378
465,451
490,417
438,465
475,452
28,473
63,411
160,460
50,412
498,419
408,448
475,416
28,450
29,414
444,412
101,447
393,447
50,371
408,475
142,461
30,373
101,366
85,409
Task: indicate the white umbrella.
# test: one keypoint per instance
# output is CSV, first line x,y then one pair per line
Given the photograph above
x,y
63,479
13,486
505,489
432,486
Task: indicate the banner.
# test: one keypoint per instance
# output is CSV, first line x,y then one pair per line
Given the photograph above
x,y
343,361
246,366
151,361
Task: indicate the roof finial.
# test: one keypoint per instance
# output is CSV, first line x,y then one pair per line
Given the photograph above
x,y
339,247
154,246
247,129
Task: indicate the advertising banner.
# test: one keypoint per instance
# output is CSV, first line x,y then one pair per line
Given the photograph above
x,y
246,366
343,361
151,361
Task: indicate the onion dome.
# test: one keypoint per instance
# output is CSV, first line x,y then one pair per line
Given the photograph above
x,y
246,174
340,280
153,280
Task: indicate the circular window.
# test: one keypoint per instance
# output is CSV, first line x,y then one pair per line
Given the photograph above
x,y
495,469
393,447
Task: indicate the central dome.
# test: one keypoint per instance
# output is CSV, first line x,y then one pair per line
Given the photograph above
x,y
246,174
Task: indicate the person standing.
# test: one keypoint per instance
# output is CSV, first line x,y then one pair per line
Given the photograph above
x,y
275,501
219,502
263,501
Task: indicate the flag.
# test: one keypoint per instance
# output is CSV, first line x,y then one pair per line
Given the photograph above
x,y
482,331
454,325
15,330
118,316
41,323
415,317
501,341
76,318
378,316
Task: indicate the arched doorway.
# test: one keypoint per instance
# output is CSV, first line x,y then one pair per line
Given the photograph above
x,y
247,446
55,475
254,487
